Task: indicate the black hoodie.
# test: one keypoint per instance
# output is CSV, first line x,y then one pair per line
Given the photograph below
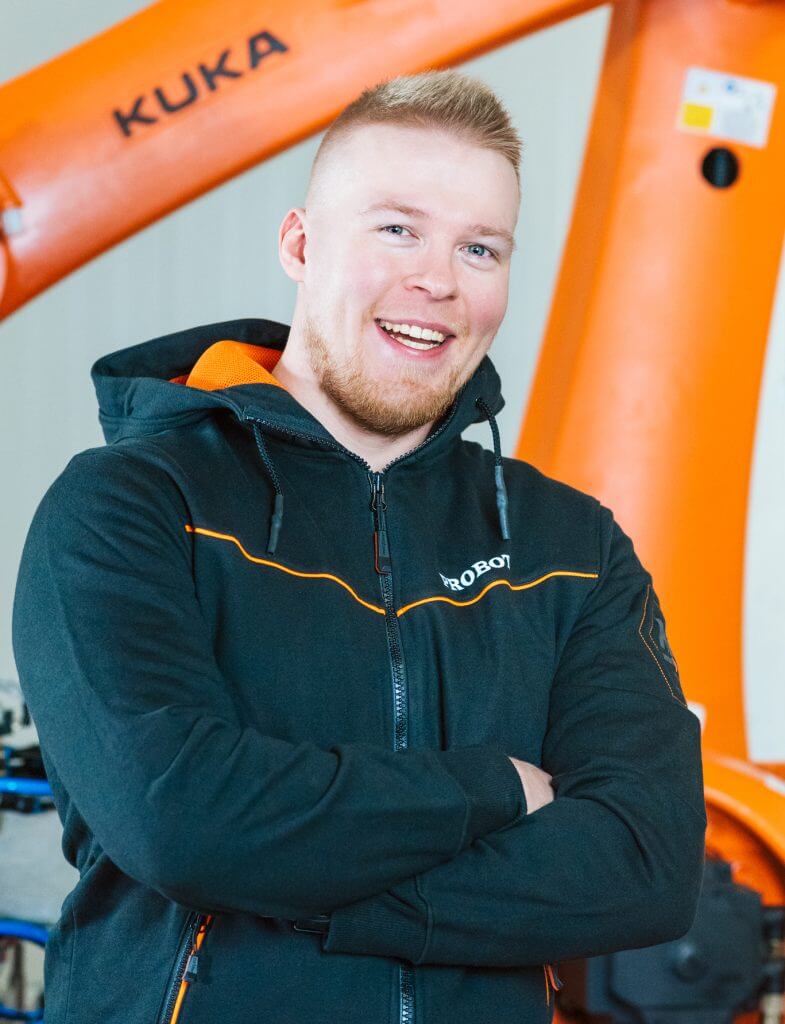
x,y
276,693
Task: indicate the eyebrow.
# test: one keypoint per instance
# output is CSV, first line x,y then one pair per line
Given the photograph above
x,y
414,211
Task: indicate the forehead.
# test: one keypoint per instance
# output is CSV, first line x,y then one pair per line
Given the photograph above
x,y
424,169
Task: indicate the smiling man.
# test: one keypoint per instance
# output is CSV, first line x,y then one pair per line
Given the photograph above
x,y
410,234
346,718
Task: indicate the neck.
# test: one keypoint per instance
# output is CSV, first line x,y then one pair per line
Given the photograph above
x,y
378,450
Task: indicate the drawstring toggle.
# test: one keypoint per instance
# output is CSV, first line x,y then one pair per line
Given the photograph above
x,y
277,517
498,470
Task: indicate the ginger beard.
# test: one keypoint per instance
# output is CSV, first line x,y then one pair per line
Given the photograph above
x,y
391,407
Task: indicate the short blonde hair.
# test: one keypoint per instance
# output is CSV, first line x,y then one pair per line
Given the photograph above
x,y
442,99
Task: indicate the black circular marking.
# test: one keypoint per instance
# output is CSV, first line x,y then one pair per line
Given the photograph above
x,y
720,167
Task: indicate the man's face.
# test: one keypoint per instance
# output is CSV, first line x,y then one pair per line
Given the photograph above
x,y
366,261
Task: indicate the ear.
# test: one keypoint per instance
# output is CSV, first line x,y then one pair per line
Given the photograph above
x,y
291,243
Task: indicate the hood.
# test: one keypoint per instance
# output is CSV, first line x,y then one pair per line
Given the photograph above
x,y
173,379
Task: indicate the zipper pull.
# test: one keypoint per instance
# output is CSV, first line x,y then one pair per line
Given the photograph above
x,y
198,931
191,967
381,547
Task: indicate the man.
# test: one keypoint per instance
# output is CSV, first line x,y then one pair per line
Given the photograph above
x,y
308,668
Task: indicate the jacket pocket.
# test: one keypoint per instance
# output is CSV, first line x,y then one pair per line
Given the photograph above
x,y
552,981
186,965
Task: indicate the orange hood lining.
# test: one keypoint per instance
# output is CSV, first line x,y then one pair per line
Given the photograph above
x,y
227,363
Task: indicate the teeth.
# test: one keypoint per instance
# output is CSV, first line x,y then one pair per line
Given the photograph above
x,y
416,344
413,332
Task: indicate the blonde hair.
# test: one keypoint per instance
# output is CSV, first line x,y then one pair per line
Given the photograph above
x,y
441,99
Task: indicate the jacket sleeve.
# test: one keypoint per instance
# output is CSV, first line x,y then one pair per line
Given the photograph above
x,y
150,746
616,860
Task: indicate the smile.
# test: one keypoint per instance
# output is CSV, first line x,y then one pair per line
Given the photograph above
x,y
412,337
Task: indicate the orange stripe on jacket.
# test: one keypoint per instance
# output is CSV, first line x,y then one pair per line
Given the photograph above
x,y
284,568
189,528
498,583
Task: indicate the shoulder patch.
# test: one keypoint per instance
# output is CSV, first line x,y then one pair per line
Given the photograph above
x,y
652,632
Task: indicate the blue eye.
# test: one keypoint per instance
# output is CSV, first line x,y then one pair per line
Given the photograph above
x,y
473,245
477,245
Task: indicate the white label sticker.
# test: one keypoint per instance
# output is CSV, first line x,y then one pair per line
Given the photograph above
x,y
728,106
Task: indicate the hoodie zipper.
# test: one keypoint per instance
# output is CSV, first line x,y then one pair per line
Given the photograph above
x,y
383,565
186,965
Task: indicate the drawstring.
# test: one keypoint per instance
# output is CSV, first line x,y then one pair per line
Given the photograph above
x,y
501,491
498,471
277,516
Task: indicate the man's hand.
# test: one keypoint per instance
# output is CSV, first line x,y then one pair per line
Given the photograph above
x,y
536,785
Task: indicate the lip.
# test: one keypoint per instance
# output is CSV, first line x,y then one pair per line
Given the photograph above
x,y
414,353
429,325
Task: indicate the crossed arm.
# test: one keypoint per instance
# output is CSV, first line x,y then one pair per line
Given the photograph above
x,y
150,746
615,861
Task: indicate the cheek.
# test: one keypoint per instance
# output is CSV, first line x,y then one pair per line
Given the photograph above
x,y
488,306
339,268
372,261
366,279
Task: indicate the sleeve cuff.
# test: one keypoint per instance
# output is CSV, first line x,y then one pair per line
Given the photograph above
x,y
393,923
492,787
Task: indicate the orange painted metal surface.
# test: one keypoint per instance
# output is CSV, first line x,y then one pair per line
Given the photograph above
x,y
646,391
746,811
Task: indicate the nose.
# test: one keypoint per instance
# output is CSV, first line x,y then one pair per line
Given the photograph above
x,y
435,274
